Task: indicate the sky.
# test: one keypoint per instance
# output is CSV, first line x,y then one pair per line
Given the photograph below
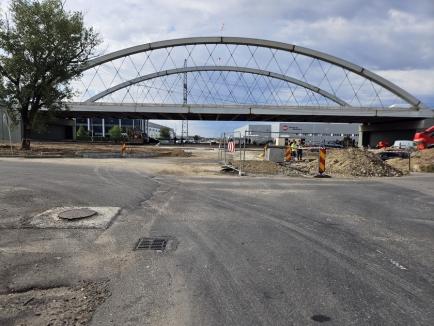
x,y
394,38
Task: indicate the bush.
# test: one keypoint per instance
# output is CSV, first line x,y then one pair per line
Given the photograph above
x,y
115,133
164,133
82,134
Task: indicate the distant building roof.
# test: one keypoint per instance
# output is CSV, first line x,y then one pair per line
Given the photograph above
x,y
155,125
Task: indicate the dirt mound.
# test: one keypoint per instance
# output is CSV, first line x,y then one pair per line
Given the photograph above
x,y
356,163
257,167
53,306
421,161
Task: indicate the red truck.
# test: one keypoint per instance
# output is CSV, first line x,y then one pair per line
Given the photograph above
x,y
424,139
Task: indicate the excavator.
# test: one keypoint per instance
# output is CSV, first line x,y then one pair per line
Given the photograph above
x,y
424,139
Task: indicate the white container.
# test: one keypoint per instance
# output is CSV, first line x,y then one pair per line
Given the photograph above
x,y
404,144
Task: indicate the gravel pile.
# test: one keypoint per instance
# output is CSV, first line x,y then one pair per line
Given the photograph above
x,y
356,163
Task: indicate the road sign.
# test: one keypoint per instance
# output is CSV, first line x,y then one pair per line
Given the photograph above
x,y
231,146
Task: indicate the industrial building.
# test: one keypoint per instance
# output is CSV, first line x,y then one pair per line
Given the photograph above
x,y
257,134
317,133
100,127
65,129
313,133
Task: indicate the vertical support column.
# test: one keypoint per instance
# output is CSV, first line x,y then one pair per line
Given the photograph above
x,y
241,162
120,123
360,142
88,124
74,129
103,126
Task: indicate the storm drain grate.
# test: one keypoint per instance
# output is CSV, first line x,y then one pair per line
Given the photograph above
x,y
152,244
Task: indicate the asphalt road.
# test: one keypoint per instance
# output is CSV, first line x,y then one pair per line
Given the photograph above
x,y
245,251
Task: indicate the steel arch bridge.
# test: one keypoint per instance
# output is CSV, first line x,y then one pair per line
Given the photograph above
x,y
233,78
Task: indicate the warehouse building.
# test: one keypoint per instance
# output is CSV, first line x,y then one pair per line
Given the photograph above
x,y
256,134
317,133
65,129
312,133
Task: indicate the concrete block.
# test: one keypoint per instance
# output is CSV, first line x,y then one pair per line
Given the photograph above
x,y
275,154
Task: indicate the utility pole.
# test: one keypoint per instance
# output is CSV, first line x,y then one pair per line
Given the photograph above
x,y
184,128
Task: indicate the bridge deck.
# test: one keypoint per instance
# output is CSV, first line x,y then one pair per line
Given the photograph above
x,y
245,112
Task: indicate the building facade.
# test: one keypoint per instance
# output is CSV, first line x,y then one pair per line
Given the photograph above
x,y
317,133
99,127
257,134
312,133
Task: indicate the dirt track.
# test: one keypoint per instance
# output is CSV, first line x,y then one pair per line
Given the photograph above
x,y
203,160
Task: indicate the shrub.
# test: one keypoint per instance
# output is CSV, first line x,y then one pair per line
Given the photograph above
x,y
115,133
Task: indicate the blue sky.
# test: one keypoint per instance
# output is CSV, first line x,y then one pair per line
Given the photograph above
x,y
391,37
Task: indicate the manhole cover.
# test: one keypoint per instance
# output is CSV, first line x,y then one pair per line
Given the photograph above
x,y
73,214
152,244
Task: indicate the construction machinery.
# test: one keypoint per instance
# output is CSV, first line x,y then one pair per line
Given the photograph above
x,y
424,139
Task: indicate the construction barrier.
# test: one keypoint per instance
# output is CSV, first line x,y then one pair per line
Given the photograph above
x,y
288,153
231,147
123,149
322,159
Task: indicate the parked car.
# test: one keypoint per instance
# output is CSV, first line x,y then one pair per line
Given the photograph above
x,y
333,145
404,144
388,155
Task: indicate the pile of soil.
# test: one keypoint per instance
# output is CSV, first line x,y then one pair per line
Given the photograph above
x,y
354,162
257,167
421,161
53,306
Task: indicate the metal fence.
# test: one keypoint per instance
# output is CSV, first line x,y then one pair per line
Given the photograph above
x,y
242,140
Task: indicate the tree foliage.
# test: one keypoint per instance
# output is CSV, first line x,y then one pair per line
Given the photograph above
x,y
42,49
82,133
165,133
115,133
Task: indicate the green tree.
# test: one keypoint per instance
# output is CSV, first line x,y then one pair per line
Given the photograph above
x,y
165,133
196,138
115,133
82,133
42,49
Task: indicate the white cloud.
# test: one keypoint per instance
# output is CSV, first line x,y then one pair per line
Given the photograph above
x,y
416,81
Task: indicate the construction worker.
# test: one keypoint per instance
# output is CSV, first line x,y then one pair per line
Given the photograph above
x,y
294,149
299,151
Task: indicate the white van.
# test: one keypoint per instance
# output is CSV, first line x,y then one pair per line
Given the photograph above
x,y
404,144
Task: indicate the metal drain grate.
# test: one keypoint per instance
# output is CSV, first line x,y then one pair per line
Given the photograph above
x,y
152,244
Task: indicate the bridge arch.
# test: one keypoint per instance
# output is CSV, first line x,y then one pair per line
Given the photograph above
x,y
218,68
250,43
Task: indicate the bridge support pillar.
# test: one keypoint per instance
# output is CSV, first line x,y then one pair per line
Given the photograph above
x,y
371,133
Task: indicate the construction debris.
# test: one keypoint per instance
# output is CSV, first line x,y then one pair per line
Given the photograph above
x,y
354,162
53,306
420,161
